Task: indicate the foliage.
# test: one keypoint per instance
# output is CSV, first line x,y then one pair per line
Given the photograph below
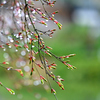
x,y
24,36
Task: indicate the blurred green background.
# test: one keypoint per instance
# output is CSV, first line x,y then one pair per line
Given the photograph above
x,y
80,84
75,37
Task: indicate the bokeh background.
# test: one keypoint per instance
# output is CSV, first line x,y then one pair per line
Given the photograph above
x,y
80,35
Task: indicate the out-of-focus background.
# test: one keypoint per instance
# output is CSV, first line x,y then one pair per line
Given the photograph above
x,y
80,35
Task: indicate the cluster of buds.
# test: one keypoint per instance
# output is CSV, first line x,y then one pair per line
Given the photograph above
x,y
52,76
0,83
52,66
54,13
70,66
31,2
31,59
51,3
1,46
32,69
42,79
29,39
6,63
39,66
60,85
48,53
17,46
11,68
43,22
36,36
20,71
70,55
8,89
25,46
8,44
58,24
11,91
53,91
59,78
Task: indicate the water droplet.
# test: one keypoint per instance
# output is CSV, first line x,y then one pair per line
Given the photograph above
x,y
46,20
9,68
26,15
32,46
35,19
16,50
4,49
33,11
29,24
11,40
10,46
50,37
4,1
17,4
34,40
18,22
20,15
11,7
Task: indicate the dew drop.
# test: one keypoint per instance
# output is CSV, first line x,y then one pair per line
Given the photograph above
x,y
26,15
10,46
4,1
33,11
16,50
46,20
32,46
4,49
